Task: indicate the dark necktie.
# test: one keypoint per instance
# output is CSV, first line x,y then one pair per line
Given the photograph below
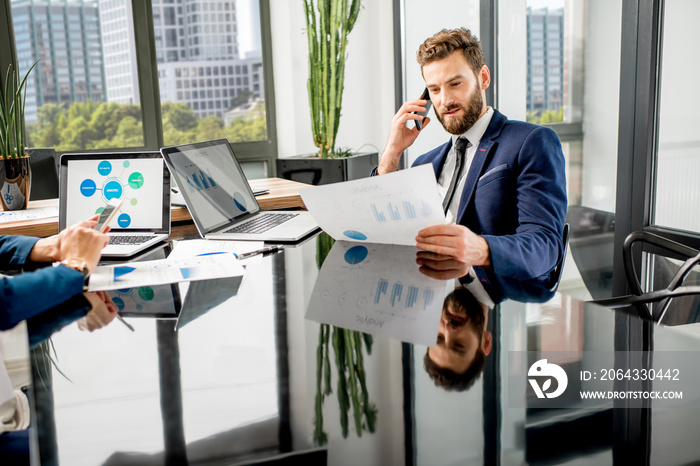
x,y
461,146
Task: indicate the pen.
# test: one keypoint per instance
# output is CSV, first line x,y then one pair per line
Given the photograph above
x,y
264,251
121,319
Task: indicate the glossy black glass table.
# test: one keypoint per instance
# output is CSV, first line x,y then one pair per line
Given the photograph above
x,y
237,384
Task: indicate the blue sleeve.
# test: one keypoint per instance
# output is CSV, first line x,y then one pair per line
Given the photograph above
x,y
14,251
31,293
42,326
536,247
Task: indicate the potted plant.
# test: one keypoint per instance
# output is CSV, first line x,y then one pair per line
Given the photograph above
x,y
15,172
328,24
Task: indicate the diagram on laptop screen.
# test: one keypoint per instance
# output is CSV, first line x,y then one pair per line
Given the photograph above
x,y
198,181
139,182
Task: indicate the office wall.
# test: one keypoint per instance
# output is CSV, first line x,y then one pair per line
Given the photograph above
x,y
601,103
678,191
420,24
368,101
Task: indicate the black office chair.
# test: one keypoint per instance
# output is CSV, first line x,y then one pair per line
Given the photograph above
x,y
592,246
674,288
44,167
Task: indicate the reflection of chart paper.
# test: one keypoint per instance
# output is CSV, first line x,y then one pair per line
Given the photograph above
x,y
381,209
160,272
204,295
377,289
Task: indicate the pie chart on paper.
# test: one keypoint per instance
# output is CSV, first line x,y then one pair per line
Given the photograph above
x,y
356,235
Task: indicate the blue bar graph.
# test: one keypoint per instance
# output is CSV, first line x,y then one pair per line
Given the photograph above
x,y
378,216
409,210
425,209
382,286
411,296
427,298
200,182
393,212
396,297
396,292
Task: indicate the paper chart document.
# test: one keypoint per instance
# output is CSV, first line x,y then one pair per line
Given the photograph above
x,y
29,214
160,272
389,209
378,289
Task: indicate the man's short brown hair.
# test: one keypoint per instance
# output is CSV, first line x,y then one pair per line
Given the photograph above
x,y
442,44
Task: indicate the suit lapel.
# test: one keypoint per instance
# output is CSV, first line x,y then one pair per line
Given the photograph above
x,y
477,166
483,152
439,161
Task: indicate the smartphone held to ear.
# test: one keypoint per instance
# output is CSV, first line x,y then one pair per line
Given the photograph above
x,y
425,96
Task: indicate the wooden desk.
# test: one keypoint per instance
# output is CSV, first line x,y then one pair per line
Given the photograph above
x,y
284,194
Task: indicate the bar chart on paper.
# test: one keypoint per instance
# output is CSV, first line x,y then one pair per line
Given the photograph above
x,y
389,209
397,211
397,299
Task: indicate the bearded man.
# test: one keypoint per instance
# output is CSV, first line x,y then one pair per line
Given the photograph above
x,y
502,181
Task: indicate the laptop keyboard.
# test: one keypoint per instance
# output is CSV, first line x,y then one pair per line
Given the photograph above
x,y
129,239
261,223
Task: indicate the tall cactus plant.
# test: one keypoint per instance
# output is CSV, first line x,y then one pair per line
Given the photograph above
x,y
328,24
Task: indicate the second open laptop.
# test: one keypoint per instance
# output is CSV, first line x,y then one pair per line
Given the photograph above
x,y
89,181
221,201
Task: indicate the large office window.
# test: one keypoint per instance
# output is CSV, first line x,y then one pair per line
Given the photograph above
x,y
80,96
210,70
133,74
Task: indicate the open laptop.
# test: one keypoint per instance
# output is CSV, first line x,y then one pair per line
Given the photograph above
x,y
221,201
89,181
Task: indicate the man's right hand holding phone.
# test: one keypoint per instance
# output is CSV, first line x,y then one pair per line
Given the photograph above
x,y
401,136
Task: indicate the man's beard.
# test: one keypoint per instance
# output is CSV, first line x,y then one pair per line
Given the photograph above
x,y
460,125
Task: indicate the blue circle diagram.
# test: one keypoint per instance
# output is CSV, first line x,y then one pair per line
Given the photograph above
x,y
354,234
88,188
112,189
119,302
239,201
356,254
104,168
124,220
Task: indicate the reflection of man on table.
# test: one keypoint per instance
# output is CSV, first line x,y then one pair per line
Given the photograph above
x,y
458,357
502,180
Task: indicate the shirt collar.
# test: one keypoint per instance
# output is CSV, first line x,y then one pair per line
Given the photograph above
x,y
476,132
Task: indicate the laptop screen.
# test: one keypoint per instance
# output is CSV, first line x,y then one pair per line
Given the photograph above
x,y
212,182
88,182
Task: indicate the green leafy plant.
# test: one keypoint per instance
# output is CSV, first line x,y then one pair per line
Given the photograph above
x,y
12,100
328,24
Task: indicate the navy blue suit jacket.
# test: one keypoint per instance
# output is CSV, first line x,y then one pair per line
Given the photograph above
x,y
514,196
28,295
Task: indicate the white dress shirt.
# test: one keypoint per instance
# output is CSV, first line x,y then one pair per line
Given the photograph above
x,y
474,135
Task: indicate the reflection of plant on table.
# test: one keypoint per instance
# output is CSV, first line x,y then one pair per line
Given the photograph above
x,y
349,362
352,383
